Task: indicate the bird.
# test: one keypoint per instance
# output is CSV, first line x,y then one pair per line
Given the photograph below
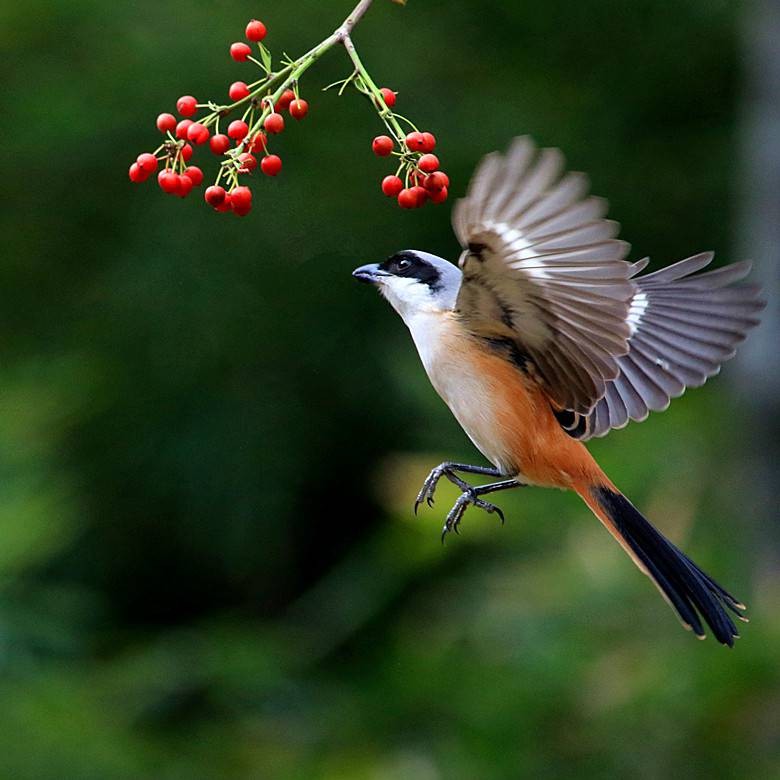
x,y
544,336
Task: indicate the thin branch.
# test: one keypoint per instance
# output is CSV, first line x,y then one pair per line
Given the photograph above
x,y
354,17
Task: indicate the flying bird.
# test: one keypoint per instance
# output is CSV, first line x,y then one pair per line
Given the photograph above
x,y
544,336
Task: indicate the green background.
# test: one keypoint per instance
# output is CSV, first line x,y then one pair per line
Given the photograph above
x,y
210,436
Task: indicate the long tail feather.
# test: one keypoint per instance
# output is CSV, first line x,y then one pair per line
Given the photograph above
x,y
690,592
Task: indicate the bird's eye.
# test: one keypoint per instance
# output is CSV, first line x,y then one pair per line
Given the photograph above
x,y
403,264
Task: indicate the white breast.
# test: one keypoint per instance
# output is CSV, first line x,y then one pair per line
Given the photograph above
x,y
457,380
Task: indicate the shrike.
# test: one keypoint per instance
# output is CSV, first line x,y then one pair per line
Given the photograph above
x,y
546,337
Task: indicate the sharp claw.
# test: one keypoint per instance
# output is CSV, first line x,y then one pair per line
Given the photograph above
x,y
428,489
470,496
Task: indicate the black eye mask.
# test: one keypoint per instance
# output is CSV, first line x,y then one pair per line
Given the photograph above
x,y
409,265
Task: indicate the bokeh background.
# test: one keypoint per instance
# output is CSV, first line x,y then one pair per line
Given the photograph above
x,y
210,436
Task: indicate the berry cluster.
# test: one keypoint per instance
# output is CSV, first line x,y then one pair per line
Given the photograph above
x,y
422,180
417,179
242,143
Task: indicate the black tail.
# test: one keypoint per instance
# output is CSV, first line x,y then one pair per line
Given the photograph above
x,y
691,592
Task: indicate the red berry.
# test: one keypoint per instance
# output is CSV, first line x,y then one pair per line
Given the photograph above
x,y
186,105
428,163
219,143
238,129
248,162
438,196
147,162
298,109
436,181
391,186
241,197
166,123
240,51
257,142
284,101
389,96
274,123
198,133
382,145
186,152
214,195
137,174
271,165
255,30
195,173
182,128
168,181
225,205
238,90
185,185
415,142
241,201
429,142
407,199
421,194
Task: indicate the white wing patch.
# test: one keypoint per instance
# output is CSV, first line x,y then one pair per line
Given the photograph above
x,y
636,310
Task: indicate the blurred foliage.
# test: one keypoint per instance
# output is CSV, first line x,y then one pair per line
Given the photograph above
x,y
211,437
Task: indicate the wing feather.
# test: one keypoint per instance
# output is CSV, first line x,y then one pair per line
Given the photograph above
x,y
616,405
518,159
545,172
571,189
543,267
684,328
588,210
582,235
605,253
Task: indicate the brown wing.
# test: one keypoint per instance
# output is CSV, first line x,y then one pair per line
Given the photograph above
x,y
542,267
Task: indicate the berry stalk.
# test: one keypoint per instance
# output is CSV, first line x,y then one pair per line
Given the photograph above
x,y
385,114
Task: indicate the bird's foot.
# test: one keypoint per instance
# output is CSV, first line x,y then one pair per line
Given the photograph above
x,y
467,498
448,469
432,480
470,495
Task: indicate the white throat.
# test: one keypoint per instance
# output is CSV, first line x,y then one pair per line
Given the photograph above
x,y
409,298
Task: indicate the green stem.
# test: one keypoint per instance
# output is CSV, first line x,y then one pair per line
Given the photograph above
x,y
385,114
295,70
292,73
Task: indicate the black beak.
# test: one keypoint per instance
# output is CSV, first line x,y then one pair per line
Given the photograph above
x,y
370,274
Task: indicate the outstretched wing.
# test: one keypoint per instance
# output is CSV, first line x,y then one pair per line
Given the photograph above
x,y
683,328
542,268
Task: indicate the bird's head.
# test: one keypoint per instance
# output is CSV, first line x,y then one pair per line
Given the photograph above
x,y
414,281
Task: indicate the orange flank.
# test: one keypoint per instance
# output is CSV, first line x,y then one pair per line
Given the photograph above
x,y
541,451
